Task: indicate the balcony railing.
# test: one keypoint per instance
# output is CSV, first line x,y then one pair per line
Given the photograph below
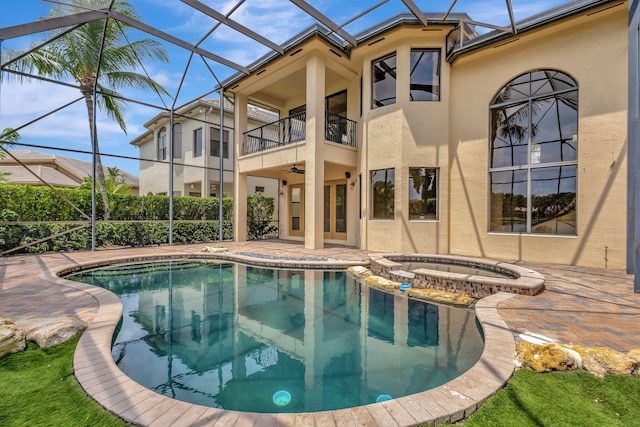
x,y
276,134
293,129
339,129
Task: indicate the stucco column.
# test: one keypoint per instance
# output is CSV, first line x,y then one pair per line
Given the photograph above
x,y
314,165
240,180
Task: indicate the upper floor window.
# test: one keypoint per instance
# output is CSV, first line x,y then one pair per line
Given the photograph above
x,y
424,84
214,142
197,142
534,154
423,193
383,81
162,144
383,194
177,141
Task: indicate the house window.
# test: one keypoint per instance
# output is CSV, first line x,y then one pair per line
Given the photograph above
x,y
162,144
197,142
382,193
214,142
177,141
383,81
424,84
423,193
534,154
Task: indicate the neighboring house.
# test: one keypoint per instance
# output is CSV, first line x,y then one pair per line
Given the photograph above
x,y
197,151
56,170
437,139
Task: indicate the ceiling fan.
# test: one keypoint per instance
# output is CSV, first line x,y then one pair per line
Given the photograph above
x,y
294,169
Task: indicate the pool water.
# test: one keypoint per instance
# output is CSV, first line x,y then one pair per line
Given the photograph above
x,y
264,340
452,268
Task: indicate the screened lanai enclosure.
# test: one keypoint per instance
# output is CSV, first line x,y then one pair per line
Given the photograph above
x,y
96,92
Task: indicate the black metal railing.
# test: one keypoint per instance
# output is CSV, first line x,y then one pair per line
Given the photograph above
x,y
276,134
339,129
293,129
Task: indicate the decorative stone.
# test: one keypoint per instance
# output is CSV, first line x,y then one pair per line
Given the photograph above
x,y
441,296
11,337
547,357
634,354
381,282
214,249
359,271
51,331
604,360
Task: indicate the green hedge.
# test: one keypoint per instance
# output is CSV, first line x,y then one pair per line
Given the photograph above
x,y
39,203
23,203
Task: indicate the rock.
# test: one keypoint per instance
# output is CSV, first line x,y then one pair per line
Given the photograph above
x,y
11,337
381,282
547,357
214,249
51,331
440,296
604,360
634,355
359,271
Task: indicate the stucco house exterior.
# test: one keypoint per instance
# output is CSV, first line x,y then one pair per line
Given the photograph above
x,y
196,170
512,145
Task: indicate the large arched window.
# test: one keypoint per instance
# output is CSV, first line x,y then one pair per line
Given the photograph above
x,y
534,154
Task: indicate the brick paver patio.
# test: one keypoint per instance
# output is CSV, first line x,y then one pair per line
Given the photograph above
x,y
579,306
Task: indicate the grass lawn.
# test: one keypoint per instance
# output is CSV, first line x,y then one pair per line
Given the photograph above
x,y
37,388
561,399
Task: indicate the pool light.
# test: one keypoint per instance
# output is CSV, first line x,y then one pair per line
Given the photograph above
x,y
281,397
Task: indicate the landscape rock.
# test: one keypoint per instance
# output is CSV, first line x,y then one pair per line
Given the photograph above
x,y
51,331
604,360
441,296
214,249
547,357
381,282
359,271
634,354
11,337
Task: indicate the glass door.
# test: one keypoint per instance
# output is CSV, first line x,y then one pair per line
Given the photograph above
x,y
296,210
335,210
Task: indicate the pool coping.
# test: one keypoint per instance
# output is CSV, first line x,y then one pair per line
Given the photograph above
x,y
101,379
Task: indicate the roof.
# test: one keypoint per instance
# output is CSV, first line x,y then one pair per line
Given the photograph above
x,y
472,41
54,169
254,113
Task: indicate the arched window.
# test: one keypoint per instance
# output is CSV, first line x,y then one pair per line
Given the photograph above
x,y
534,154
162,144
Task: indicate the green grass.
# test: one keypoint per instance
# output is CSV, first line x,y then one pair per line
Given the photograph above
x,y
561,399
37,388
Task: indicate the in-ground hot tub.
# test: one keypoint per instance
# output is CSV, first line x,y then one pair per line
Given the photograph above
x,y
469,278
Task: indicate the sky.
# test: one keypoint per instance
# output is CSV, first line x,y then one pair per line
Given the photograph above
x,y
277,20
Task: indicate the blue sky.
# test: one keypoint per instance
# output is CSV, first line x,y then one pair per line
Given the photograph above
x,y
277,20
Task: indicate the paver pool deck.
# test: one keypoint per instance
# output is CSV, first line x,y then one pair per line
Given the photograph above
x,y
587,306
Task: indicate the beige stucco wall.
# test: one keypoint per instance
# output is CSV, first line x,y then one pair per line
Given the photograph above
x,y
403,135
592,49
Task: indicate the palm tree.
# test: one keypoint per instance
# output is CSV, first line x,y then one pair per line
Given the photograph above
x,y
7,137
98,54
115,182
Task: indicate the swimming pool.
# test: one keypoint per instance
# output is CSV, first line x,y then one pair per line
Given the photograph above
x,y
268,340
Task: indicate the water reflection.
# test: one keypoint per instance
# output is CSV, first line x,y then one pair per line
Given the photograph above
x,y
231,336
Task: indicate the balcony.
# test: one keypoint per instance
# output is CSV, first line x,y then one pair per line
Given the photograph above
x,y
293,129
